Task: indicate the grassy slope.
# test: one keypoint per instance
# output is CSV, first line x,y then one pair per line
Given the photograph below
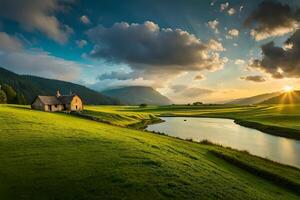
x,y
281,120
56,156
112,115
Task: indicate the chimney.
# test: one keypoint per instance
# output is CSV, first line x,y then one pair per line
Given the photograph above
x,y
58,93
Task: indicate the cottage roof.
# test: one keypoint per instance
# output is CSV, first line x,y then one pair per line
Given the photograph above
x,y
66,99
50,100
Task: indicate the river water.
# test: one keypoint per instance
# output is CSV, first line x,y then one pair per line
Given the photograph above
x,y
229,134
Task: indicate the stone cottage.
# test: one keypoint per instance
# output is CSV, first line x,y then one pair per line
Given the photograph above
x,y
59,102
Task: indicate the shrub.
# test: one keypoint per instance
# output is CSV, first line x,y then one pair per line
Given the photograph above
x,y
189,139
3,98
207,142
197,103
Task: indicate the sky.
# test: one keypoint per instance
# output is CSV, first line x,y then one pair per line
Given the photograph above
x,y
189,50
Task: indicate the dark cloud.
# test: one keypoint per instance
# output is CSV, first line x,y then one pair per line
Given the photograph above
x,y
272,18
192,92
37,15
280,62
254,78
153,52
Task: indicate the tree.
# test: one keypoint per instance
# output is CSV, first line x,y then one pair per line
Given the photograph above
x,y
197,103
143,105
10,93
3,98
20,99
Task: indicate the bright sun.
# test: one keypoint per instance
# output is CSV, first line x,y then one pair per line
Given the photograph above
x,y
288,88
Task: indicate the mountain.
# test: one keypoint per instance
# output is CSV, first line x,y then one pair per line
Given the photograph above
x,y
254,99
31,86
135,95
285,98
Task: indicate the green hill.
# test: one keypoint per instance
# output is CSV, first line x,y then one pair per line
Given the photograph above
x,y
59,156
254,99
31,86
135,95
285,98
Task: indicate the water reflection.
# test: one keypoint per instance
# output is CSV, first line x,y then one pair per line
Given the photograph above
x,y
227,133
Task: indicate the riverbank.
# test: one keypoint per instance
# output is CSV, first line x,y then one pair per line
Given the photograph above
x,y
279,120
269,129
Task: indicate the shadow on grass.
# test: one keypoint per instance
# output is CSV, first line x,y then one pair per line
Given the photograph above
x,y
23,107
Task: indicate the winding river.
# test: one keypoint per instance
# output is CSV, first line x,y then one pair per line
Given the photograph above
x,y
227,133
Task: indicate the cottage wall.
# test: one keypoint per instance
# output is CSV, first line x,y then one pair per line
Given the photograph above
x,y
46,108
38,105
76,104
53,108
57,108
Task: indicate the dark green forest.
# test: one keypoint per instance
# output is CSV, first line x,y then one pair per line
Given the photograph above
x,y
22,89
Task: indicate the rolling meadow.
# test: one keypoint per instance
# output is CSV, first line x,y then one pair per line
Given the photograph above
x,y
62,156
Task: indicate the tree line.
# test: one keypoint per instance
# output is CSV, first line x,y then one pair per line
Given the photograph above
x,y
9,95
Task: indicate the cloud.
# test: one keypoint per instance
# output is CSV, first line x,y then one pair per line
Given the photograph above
x,y
213,25
9,43
253,78
224,6
190,92
40,63
280,62
212,3
272,18
232,33
153,52
241,8
37,15
118,75
199,77
239,62
85,20
81,43
231,11
105,84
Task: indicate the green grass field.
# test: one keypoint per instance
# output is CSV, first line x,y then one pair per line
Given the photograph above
x,y
60,156
112,115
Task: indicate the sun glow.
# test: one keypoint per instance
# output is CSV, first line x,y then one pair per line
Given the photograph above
x,y
288,88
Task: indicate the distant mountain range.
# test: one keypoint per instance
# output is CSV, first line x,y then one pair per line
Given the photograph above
x,y
254,99
31,86
285,98
135,95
